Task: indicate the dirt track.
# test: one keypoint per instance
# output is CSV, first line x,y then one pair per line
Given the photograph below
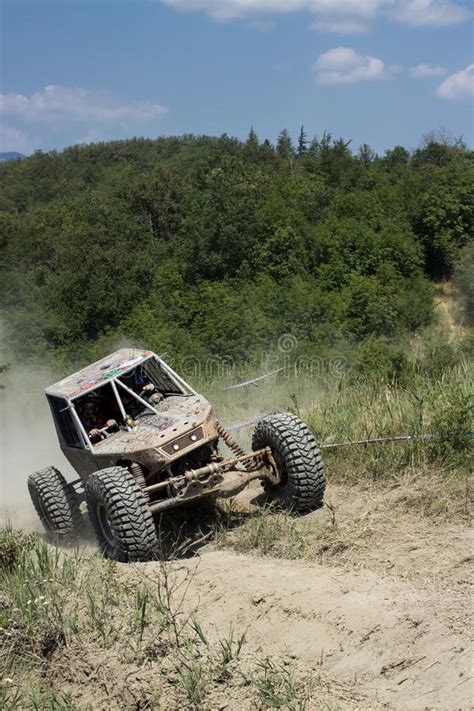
x,y
386,626
383,641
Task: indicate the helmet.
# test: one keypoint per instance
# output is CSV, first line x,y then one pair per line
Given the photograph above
x,y
89,399
135,378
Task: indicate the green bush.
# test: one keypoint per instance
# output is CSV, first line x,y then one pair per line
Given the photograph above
x,y
452,423
464,279
212,246
438,356
13,545
376,360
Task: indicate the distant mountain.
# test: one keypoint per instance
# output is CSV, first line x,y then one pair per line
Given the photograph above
x,y
11,155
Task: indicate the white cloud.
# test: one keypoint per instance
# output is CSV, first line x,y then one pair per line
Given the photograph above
x,y
333,12
341,27
54,104
12,139
348,9
343,65
434,13
459,85
231,9
425,71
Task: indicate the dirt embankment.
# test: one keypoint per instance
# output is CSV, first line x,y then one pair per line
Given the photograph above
x,y
383,623
375,641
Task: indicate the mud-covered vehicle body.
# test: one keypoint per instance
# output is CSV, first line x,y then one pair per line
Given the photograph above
x,y
162,450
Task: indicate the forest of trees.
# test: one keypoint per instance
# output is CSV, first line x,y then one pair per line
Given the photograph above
x,y
217,246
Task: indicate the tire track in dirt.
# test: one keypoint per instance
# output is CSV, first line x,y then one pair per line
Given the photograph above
x,y
385,623
384,638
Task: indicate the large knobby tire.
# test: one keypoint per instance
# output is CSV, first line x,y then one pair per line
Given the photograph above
x,y
298,458
120,515
56,502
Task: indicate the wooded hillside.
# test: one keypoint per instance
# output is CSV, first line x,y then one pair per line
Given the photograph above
x,y
215,246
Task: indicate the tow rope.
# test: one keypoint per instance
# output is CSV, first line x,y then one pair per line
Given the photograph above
x,y
351,443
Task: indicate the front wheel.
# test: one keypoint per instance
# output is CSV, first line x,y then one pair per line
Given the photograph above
x,y
120,515
56,502
300,480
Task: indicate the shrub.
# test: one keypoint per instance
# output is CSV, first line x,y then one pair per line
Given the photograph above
x,y
438,357
375,360
13,544
464,280
452,422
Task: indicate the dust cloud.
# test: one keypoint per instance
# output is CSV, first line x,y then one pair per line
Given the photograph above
x,y
281,393
28,442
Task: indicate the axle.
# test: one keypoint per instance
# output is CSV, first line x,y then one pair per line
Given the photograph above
x,y
210,479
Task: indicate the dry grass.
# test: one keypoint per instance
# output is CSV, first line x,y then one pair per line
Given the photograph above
x,y
80,632
356,522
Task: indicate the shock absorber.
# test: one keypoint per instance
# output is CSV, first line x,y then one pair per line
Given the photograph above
x,y
234,446
137,471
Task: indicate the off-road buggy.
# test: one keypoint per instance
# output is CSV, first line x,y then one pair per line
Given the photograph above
x,y
163,451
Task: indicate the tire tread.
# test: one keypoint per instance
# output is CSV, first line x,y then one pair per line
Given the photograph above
x,y
118,490
306,483
59,498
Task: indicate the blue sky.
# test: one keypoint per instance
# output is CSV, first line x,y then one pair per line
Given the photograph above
x,y
382,72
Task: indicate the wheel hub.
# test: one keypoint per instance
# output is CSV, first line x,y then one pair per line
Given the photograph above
x,y
276,472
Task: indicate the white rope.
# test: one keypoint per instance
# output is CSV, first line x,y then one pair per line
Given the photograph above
x,y
377,440
246,423
255,380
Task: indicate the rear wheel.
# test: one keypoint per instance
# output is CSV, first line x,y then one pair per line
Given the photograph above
x,y
120,516
56,502
300,480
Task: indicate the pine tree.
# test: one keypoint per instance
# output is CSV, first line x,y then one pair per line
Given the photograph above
x,y
314,148
267,151
285,148
252,144
366,155
302,143
252,138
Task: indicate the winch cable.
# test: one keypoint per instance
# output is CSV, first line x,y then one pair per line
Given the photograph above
x,y
357,442
255,380
381,440
247,423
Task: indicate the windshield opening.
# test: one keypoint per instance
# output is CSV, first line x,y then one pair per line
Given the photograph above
x,y
119,402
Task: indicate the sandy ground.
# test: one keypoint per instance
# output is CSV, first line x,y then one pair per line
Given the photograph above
x,y
386,626
391,643
379,613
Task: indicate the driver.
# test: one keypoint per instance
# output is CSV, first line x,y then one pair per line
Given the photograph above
x,y
94,419
140,383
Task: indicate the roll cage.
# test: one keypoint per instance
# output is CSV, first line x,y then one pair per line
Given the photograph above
x,y
123,387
